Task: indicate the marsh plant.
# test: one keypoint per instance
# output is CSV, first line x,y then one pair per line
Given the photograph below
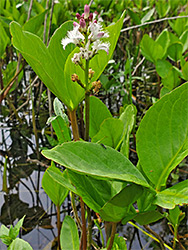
x,y
95,168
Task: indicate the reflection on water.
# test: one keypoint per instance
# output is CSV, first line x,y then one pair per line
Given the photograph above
x,y
25,195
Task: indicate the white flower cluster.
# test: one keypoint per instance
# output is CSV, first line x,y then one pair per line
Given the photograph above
x,y
86,35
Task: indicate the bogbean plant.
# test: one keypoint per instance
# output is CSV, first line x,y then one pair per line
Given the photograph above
x,y
97,169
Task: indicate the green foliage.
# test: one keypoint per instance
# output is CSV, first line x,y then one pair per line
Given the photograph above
x,y
54,190
20,244
151,49
94,159
39,56
175,195
8,237
69,238
161,142
98,113
104,178
4,40
110,132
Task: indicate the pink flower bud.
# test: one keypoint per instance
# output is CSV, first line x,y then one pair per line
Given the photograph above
x,y
95,21
82,23
78,16
90,16
75,24
86,11
100,34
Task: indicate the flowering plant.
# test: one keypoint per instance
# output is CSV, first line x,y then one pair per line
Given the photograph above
x,y
87,34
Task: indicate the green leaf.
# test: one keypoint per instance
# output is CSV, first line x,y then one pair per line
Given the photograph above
x,y
4,235
60,128
20,244
93,159
163,67
54,190
63,180
151,49
48,63
34,23
162,137
185,71
4,40
175,51
59,110
148,15
134,16
119,243
128,118
69,238
145,202
174,215
110,132
98,113
16,229
162,7
179,25
164,91
94,192
172,79
164,40
118,207
184,40
148,217
175,195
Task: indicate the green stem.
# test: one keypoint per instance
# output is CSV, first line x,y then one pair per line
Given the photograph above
x,y
112,236
157,236
5,189
84,233
87,102
74,209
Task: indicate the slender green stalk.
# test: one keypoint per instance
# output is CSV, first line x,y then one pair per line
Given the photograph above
x,y
157,236
84,233
74,209
87,102
151,236
5,189
112,236
89,236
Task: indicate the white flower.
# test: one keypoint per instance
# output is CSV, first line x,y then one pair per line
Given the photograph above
x,y
73,36
98,45
96,32
76,58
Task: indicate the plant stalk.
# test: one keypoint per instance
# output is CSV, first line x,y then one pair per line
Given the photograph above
x,y
74,124
156,235
58,226
112,236
89,236
74,209
84,233
87,102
